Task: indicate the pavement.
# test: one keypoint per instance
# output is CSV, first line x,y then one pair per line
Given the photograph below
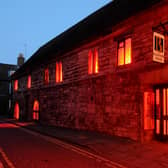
x,y
127,152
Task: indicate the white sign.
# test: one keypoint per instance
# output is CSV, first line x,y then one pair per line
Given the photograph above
x,y
158,47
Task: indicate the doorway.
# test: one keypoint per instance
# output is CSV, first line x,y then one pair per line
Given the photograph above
x,y
161,113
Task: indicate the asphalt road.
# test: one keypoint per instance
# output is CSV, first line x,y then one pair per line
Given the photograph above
x,y
19,149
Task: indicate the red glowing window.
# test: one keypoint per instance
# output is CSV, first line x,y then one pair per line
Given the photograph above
x,y
36,110
93,63
16,111
15,85
58,74
46,76
29,82
124,52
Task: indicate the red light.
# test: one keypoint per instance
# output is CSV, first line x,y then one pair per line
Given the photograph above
x,y
58,74
93,65
29,82
16,111
16,85
46,76
90,62
158,112
124,52
60,70
128,51
96,64
36,110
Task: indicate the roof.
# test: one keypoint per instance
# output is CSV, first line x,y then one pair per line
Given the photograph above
x,y
96,24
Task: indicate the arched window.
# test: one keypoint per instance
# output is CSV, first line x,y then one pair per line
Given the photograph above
x,y
16,111
36,110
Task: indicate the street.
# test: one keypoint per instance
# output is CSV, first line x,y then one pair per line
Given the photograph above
x,y
20,149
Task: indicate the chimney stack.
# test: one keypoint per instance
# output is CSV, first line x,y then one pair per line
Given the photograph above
x,y
20,60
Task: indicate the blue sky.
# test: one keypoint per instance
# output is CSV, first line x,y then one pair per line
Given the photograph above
x,y
27,25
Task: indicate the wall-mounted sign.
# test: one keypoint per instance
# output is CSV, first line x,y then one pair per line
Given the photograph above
x,y
158,47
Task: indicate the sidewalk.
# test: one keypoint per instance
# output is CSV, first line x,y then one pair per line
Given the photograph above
x,y
124,151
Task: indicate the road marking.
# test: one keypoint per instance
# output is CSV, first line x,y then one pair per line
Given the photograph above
x,y
5,157
73,148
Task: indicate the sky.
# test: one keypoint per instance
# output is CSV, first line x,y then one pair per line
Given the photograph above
x,y
26,25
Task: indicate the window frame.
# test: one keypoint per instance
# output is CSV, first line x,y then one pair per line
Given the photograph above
x,y
93,61
123,40
58,72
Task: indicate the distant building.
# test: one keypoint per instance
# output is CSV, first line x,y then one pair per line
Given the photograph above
x,y
107,73
6,87
6,90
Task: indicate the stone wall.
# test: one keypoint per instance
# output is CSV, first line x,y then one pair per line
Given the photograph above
x,y
110,101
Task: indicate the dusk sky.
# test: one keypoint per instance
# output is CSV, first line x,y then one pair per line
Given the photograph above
x,y
27,25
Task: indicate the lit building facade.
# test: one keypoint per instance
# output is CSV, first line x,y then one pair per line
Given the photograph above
x,y
108,73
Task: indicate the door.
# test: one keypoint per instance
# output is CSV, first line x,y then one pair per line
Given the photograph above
x,y
161,113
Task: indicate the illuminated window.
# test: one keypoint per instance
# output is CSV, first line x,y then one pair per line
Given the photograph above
x,y
93,64
36,110
15,85
58,72
46,76
16,111
29,82
124,52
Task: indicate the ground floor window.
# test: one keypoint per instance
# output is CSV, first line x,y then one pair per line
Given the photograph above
x,y
16,111
161,112
36,110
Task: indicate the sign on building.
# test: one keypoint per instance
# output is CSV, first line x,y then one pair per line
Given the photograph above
x,y
158,47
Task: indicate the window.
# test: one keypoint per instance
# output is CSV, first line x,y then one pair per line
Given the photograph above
x,y
58,73
36,110
16,111
46,76
124,52
29,82
93,65
15,85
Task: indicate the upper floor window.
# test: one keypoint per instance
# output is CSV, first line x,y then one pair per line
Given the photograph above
x,y
46,76
29,82
124,52
93,64
15,85
58,72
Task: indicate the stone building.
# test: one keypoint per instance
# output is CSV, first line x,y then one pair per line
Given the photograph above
x,y
107,73
6,70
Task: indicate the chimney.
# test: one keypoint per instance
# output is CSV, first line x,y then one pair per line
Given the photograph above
x,y
20,60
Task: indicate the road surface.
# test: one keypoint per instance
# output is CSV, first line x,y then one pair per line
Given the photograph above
x,y
21,149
